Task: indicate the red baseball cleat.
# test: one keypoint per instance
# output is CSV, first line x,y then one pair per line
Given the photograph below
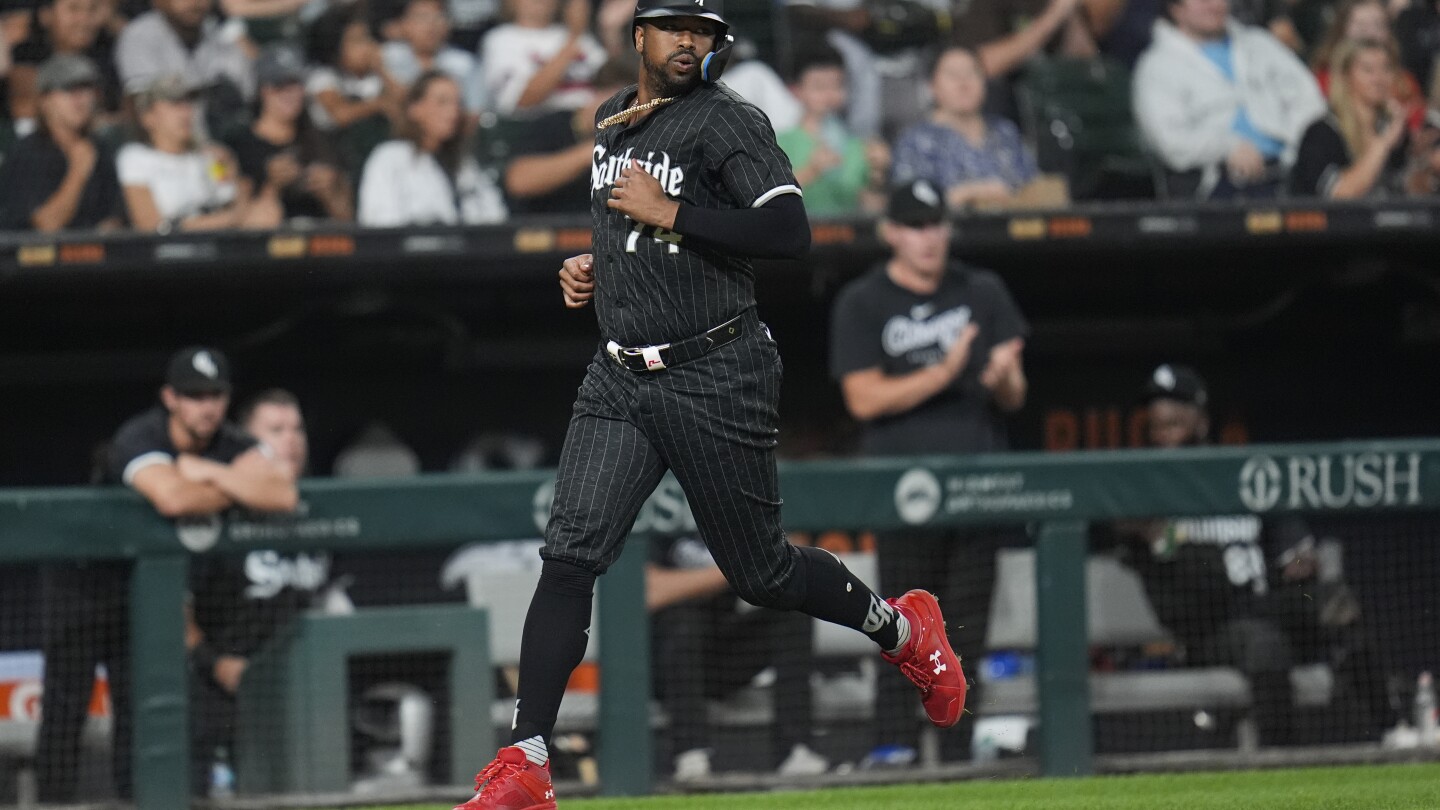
x,y
512,782
928,661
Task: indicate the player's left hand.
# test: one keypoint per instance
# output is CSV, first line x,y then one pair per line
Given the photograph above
x,y
638,195
577,280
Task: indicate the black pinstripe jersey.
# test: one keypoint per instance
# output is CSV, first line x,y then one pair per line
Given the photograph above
x,y
710,149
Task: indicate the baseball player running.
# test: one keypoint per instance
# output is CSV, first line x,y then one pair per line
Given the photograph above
x,y
687,187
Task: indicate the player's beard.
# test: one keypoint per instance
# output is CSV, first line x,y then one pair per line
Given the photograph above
x,y
664,85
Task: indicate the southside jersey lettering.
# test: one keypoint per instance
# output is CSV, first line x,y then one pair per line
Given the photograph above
x,y
606,169
710,149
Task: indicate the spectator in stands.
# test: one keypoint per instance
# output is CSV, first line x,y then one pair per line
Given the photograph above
x,y
187,461
69,27
1358,150
6,61
615,28
424,31
840,172
266,21
171,181
536,63
469,20
426,177
845,25
15,27
349,84
119,13
551,157
237,603
1223,104
929,356
975,158
1368,20
707,647
291,168
1005,34
60,177
1418,30
1121,28
180,38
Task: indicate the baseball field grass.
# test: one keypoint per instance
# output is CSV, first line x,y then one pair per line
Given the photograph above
x,y
1387,787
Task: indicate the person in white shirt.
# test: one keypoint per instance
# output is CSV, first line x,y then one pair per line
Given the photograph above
x,y
1223,104
180,37
536,64
426,177
169,180
469,20
424,30
349,83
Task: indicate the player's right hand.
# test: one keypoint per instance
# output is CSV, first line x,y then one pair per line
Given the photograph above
x,y
577,280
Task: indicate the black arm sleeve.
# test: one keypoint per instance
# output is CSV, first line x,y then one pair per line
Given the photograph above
x,y
778,229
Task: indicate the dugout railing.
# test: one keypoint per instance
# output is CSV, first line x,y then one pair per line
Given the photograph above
x,y
503,249
1058,493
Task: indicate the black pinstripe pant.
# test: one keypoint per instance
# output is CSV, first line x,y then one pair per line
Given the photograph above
x,y
714,422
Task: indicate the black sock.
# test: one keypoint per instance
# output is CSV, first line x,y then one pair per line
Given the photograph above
x,y
552,646
827,590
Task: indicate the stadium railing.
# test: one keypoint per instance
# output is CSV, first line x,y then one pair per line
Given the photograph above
x,y
1061,492
1094,226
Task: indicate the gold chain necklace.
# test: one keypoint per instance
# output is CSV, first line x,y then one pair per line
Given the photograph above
x,y
623,114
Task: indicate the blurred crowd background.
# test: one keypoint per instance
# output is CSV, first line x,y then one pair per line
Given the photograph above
x,y
199,115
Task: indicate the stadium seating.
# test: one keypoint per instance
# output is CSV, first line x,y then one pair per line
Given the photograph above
x,y
1120,615
1078,112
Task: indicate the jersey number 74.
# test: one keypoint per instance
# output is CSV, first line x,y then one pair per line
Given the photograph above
x,y
659,235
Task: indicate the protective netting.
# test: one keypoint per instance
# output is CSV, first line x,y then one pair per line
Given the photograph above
x,y
1207,634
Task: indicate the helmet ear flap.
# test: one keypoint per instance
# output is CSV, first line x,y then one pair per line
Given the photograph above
x,y
715,62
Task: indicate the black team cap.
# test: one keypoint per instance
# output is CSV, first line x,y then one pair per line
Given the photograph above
x,y
1180,383
199,370
916,204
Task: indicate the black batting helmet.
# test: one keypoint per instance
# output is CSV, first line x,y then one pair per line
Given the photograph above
x,y
709,9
